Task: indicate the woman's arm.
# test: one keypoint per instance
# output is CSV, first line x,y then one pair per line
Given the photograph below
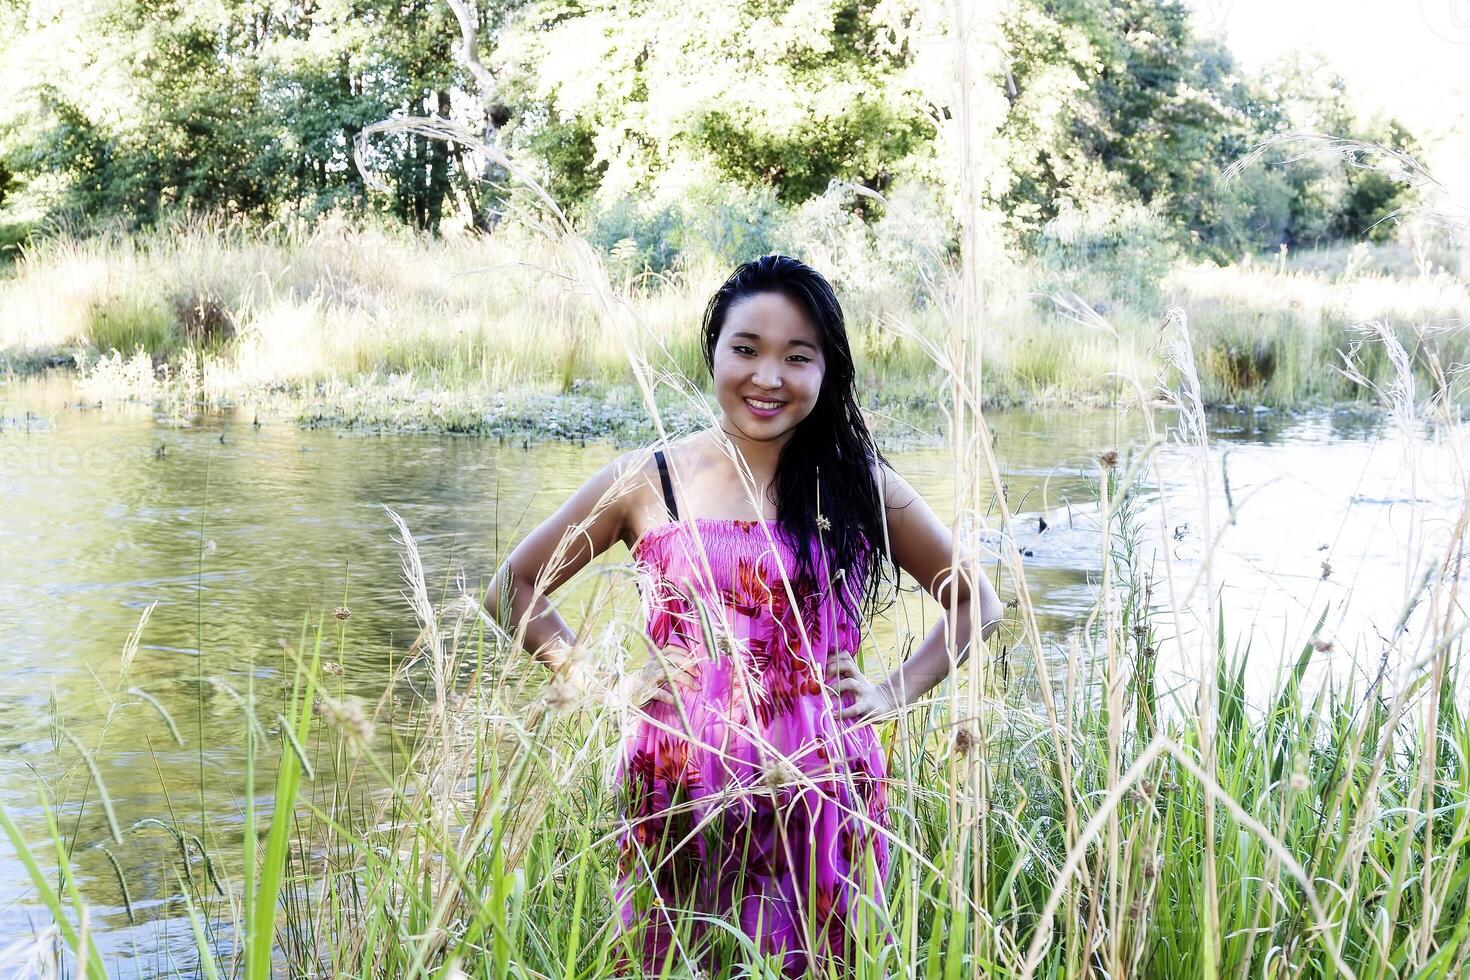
x,y
592,520
921,545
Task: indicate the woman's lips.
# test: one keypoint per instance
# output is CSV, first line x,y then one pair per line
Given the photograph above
x,y
764,413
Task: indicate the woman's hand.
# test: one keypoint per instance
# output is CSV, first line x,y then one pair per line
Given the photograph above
x,y
670,670
870,701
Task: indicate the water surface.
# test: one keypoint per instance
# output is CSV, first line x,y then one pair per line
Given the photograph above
x,y
244,538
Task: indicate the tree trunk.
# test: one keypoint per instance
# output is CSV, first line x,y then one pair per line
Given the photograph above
x,y
438,183
496,115
350,129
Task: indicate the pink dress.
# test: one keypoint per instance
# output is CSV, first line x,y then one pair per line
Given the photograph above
x,y
763,808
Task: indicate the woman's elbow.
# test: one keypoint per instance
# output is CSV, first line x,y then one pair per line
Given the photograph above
x,y
991,611
501,593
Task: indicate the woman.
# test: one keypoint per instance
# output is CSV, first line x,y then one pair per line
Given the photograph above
x,y
752,781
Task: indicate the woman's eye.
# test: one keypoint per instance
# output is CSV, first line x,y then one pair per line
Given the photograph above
x,y
742,349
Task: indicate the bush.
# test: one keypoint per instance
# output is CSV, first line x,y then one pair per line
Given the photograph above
x,y
127,323
1251,213
13,237
1242,368
635,239
1109,251
203,320
724,225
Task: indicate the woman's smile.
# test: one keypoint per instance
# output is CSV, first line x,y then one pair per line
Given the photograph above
x,y
763,407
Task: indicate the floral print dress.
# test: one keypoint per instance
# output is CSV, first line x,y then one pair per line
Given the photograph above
x,y
753,803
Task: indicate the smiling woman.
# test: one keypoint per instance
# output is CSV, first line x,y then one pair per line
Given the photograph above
x,y
778,334
772,361
751,782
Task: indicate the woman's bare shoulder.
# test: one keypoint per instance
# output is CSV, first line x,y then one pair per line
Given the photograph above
x,y
897,493
639,489
628,474
641,462
692,447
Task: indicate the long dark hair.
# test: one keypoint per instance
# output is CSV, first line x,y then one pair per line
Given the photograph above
x,y
831,452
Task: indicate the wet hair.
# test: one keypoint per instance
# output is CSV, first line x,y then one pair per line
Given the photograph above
x,y
831,453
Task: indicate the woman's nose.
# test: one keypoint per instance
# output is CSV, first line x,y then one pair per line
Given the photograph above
x,y
767,376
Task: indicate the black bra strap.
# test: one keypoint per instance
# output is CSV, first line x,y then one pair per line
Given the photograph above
x,y
663,474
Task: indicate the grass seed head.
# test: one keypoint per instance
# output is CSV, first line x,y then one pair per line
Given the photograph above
x,y
349,718
561,695
780,772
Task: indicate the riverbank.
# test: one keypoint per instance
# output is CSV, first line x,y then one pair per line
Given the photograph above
x,y
382,329
616,414
404,405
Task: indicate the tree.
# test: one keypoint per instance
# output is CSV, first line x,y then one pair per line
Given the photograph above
x,y
131,108
243,107
621,98
1123,103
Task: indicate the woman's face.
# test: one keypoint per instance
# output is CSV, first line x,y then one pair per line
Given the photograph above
x,y
768,367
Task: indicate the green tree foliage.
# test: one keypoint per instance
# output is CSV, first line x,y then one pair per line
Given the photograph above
x,y
243,106
635,98
639,110
1123,102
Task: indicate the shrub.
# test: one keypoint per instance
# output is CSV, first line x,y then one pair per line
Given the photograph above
x,y
1108,252
127,323
203,320
723,225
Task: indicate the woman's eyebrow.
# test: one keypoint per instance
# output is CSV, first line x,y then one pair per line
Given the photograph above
x,y
790,343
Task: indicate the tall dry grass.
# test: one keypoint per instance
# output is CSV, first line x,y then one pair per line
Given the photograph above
x,y
375,317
